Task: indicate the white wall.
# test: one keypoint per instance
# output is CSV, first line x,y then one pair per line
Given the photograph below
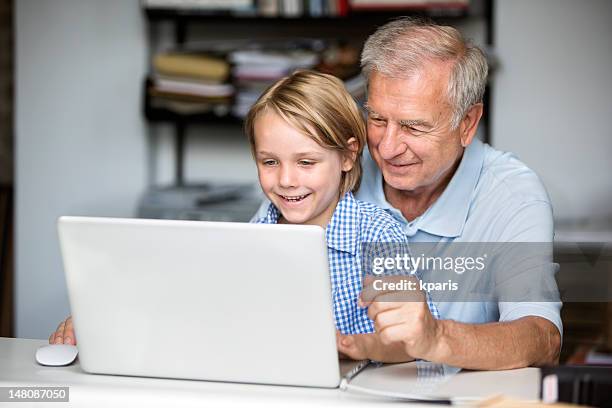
x,y
80,138
552,100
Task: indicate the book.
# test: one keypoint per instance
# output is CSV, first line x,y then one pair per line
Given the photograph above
x,y
268,8
198,4
192,66
192,87
599,356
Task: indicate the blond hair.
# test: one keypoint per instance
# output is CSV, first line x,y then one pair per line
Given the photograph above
x,y
319,106
400,48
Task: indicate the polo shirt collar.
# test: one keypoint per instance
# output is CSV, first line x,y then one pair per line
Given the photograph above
x,y
448,214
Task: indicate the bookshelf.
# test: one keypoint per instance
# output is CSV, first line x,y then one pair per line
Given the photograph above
x,y
184,23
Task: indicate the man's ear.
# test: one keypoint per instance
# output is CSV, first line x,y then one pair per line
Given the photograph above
x,y
348,160
469,124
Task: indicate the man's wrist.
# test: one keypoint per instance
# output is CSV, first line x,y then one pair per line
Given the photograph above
x,y
439,350
373,347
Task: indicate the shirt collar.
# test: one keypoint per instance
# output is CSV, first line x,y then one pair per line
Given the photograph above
x,y
271,217
343,228
448,214
371,189
341,232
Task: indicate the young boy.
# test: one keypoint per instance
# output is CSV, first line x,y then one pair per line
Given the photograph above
x,y
307,135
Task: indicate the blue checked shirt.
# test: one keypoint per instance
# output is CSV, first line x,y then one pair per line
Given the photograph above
x,y
353,225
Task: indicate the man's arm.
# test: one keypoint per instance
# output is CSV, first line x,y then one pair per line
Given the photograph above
x,y
527,341
529,332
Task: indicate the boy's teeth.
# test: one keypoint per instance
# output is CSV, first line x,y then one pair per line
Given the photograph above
x,y
296,198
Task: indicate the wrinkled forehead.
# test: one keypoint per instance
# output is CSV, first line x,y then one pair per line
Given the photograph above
x,y
430,75
423,89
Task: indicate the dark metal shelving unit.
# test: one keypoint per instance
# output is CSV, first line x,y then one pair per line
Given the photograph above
x,y
366,20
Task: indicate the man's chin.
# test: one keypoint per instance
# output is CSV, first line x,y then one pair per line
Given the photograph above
x,y
399,182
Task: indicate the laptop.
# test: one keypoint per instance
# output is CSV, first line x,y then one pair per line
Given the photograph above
x,y
201,300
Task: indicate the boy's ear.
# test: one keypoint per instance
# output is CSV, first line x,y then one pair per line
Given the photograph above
x,y
349,158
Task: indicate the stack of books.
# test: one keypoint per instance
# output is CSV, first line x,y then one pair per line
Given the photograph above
x,y
190,83
200,5
255,70
226,82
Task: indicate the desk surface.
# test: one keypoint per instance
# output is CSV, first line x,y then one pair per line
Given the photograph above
x,y
19,368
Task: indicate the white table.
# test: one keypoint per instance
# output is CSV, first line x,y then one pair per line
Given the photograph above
x,y
19,368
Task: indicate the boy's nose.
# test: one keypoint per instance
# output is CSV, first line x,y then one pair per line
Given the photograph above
x,y
287,177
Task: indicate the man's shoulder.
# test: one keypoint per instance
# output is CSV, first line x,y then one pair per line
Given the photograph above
x,y
506,177
375,222
509,202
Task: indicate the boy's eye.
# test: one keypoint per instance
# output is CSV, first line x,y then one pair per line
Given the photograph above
x,y
306,163
269,162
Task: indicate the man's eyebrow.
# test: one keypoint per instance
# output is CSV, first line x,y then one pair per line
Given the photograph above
x,y
414,122
370,110
405,122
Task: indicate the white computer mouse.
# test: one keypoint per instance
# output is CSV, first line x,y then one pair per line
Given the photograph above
x,y
56,354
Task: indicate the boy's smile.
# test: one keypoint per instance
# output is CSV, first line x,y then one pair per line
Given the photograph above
x,y
300,177
295,199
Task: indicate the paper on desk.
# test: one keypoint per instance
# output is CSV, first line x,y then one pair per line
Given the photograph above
x,y
430,381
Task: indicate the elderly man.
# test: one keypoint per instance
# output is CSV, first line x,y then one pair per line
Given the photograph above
x,y
425,89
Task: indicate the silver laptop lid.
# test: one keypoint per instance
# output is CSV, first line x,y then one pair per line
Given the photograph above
x,y
201,300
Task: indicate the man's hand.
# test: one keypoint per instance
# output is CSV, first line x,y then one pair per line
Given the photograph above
x,y
64,334
402,316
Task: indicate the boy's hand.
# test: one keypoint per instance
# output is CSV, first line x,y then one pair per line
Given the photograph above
x,y
369,346
64,334
354,346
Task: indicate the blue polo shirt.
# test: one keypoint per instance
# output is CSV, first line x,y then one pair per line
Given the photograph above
x,y
492,197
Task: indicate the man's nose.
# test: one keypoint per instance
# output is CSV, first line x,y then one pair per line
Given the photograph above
x,y
287,177
390,145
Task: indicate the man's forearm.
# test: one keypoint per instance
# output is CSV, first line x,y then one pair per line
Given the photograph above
x,y
529,341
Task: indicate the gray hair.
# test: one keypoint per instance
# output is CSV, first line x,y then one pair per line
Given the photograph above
x,y
402,47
